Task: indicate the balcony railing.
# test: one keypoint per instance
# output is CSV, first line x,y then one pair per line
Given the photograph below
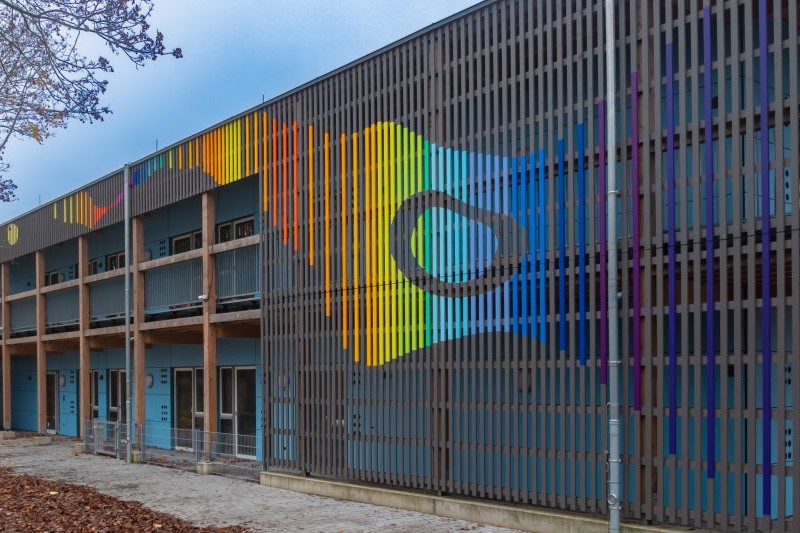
x,y
173,289
107,301
62,310
23,317
237,277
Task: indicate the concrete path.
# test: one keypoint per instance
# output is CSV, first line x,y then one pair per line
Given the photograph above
x,y
214,500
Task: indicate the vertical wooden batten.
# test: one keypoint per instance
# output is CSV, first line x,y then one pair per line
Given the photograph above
x,y
84,381
209,308
138,320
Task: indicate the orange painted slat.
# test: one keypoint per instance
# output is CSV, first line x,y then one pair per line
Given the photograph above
x,y
343,176
356,290
285,184
327,199
264,180
295,191
311,243
274,172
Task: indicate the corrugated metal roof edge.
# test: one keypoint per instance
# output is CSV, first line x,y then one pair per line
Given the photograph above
x,y
319,79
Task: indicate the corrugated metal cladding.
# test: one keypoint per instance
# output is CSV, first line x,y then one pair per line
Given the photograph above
x,y
65,218
434,270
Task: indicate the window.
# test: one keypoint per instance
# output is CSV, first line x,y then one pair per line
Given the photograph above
x,y
235,229
114,261
53,277
181,244
187,242
224,232
244,228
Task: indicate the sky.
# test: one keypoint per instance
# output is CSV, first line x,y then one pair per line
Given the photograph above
x,y
237,53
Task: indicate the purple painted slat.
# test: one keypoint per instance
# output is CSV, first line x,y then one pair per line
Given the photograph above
x,y
637,297
709,222
603,252
766,274
673,355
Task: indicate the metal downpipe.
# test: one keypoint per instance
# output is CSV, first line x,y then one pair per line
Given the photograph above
x,y
614,382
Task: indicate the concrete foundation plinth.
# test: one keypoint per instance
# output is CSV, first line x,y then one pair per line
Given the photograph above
x,y
206,467
520,517
7,435
78,448
41,441
136,457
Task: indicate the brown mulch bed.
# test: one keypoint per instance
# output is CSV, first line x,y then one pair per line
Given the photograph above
x,y
29,503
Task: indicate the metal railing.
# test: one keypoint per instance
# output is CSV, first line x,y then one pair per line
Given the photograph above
x,y
106,300
220,453
23,316
173,287
103,437
224,453
237,275
62,308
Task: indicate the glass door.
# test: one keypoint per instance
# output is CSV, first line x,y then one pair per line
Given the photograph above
x,y
188,406
52,402
237,411
94,387
227,399
184,423
117,395
246,412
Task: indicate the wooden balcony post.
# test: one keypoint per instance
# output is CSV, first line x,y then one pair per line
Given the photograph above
x,y
209,308
84,353
41,354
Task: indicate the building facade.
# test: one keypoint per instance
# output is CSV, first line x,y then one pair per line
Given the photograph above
x,y
396,273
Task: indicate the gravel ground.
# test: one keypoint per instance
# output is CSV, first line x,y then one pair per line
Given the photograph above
x,y
214,501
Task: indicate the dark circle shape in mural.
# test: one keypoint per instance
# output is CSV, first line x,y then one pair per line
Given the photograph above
x,y
507,255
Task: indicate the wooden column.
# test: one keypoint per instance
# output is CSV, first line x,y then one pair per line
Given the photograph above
x,y
209,308
137,243
85,376
41,354
6,415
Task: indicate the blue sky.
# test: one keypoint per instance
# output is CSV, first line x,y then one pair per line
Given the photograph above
x,y
235,53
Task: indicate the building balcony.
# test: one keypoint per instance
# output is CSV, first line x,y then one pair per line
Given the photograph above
x,y
107,302
173,291
238,283
62,310
23,317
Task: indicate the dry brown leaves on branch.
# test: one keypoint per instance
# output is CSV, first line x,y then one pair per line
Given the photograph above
x,y
29,503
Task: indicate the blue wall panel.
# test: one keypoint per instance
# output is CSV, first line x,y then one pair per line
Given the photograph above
x,y
22,274
106,241
62,257
177,219
237,200
67,366
23,393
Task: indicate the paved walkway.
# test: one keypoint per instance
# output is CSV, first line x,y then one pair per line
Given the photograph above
x,y
215,500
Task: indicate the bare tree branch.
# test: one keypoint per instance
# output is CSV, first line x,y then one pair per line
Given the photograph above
x,y
45,80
